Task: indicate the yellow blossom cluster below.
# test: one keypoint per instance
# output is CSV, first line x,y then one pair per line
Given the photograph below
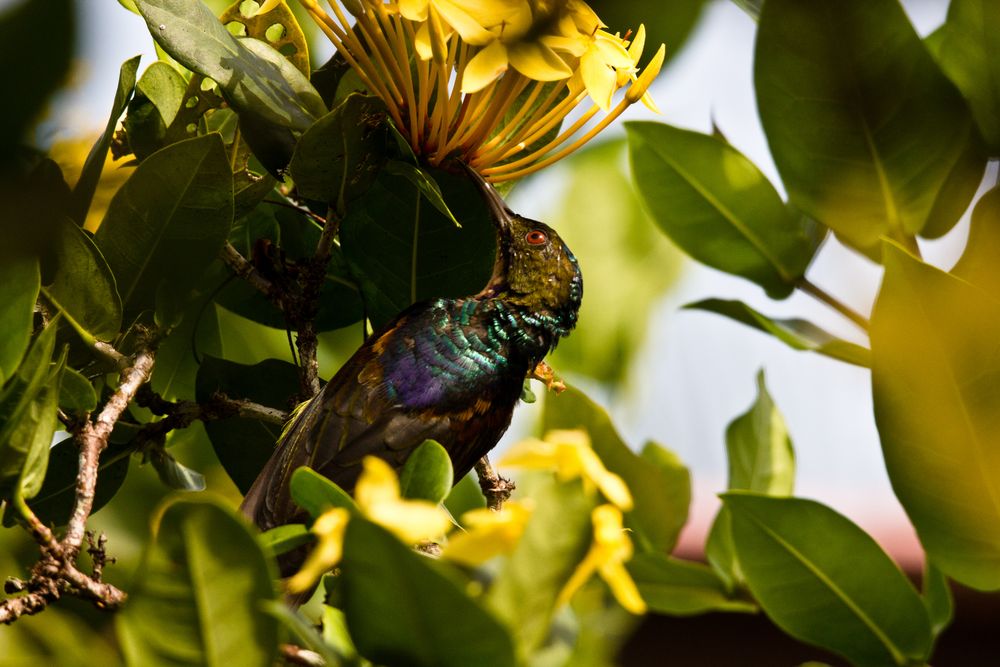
x,y
488,533
490,81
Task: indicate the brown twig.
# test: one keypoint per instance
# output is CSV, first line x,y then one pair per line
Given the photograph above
x,y
245,270
297,655
496,488
304,317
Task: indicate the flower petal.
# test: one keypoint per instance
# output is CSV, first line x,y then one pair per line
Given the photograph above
x,y
530,453
484,68
411,521
468,28
414,10
537,61
599,79
329,528
613,51
623,587
377,484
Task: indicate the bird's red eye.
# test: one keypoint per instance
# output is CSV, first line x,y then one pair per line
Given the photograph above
x,y
536,237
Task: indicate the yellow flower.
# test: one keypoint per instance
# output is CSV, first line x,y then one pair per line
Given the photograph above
x,y
609,552
487,81
488,534
570,455
329,529
378,498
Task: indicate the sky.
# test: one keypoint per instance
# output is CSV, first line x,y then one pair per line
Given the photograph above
x,y
698,372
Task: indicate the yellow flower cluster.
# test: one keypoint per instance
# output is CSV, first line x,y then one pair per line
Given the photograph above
x,y
489,534
490,81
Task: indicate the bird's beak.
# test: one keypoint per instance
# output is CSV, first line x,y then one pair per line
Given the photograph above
x,y
499,212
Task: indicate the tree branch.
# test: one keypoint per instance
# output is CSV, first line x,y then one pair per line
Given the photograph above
x,y
245,270
496,488
304,317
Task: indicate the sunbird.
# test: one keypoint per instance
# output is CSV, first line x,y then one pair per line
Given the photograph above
x,y
450,370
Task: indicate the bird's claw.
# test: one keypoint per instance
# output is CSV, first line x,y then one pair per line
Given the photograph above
x,y
544,373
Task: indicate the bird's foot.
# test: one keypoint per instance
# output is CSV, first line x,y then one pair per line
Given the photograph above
x,y
544,373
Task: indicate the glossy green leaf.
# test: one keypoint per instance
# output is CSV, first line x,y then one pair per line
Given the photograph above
x,y
718,206
796,333
937,598
978,263
967,52
316,494
338,157
869,136
76,393
761,459
661,493
86,186
18,292
83,288
285,538
22,26
403,250
425,183
198,597
553,544
681,588
273,22
259,82
28,419
427,474
167,223
244,445
935,373
53,503
402,611
824,581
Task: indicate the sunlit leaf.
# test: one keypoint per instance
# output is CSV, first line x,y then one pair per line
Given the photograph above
x,y
18,293
935,373
385,588
661,493
796,333
158,98
198,597
283,539
316,494
869,136
823,580
681,588
718,206
978,263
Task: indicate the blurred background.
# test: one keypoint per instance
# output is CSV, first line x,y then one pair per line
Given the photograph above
x,y
677,377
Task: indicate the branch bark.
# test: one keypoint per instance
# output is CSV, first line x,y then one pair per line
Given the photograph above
x,y
497,489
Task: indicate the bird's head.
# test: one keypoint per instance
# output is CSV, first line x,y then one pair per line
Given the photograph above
x,y
534,269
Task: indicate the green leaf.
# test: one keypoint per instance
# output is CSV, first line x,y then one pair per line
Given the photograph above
x,y
759,449
199,594
158,98
425,183
195,337
751,7
28,404
260,83
967,54
54,502
83,191
304,633
464,496
936,364
18,293
718,206
83,288
339,156
869,136
937,598
669,23
76,394
285,538
244,445
978,263
402,611
167,223
824,581
796,333
661,494
553,544
22,26
403,250
761,459
427,474
316,494
681,588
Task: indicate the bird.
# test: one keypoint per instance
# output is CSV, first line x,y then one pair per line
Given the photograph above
x,y
448,369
